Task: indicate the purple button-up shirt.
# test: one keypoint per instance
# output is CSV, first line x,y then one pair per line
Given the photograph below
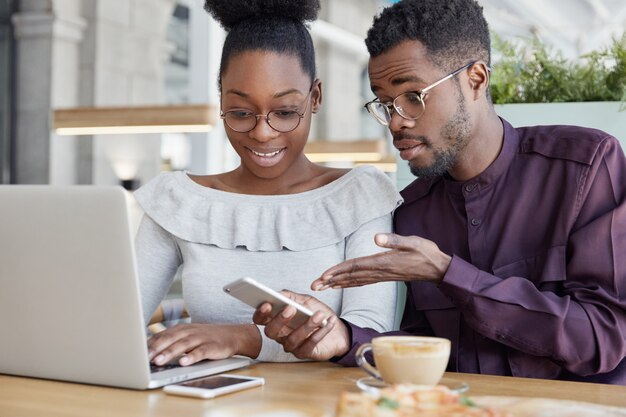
x,y
537,283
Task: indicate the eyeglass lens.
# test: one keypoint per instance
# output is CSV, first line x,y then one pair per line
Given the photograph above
x,y
408,105
281,121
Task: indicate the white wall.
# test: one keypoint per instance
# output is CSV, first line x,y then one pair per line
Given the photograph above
x,y
341,69
126,67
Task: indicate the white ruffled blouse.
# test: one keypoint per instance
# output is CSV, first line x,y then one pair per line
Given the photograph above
x,y
283,241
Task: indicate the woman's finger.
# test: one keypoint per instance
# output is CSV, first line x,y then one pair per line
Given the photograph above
x,y
299,335
277,326
160,341
174,350
308,346
263,314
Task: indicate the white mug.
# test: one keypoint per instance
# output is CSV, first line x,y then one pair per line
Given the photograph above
x,y
419,360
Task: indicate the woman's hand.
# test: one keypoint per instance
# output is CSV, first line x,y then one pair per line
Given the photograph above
x,y
410,258
312,340
197,341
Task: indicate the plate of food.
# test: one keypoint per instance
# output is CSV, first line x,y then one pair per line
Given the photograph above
x,y
405,400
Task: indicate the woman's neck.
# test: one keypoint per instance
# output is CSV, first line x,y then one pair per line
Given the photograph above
x,y
305,177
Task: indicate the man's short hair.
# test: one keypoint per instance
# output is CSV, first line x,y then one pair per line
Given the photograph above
x,y
454,32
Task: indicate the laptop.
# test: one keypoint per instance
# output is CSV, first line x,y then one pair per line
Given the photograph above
x,y
70,307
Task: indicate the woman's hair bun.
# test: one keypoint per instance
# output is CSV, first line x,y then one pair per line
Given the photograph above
x,y
230,12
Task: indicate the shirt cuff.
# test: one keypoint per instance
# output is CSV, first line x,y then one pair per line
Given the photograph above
x,y
358,337
459,281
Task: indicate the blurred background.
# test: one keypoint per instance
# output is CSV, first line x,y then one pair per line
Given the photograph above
x,y
116,91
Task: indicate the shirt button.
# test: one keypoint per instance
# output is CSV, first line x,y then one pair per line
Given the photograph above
x,y
476,221
469,187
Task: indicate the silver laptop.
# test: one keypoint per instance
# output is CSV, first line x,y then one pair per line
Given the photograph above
x,y
70,307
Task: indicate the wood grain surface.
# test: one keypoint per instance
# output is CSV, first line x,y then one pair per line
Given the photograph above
x,y
288,386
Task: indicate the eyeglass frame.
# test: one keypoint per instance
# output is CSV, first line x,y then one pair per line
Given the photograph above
x,y
390,106
267,119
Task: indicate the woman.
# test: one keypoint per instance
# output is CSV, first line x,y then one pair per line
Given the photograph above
x,y
278,217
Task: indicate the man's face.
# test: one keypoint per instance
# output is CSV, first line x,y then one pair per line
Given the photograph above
x,y
433,143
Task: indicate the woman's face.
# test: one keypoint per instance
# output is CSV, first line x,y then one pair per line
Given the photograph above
x,y
259,82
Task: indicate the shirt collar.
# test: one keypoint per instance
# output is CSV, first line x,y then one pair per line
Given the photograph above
x,y
499,166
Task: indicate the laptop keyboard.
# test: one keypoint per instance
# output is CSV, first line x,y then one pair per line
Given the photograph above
x,y
158,368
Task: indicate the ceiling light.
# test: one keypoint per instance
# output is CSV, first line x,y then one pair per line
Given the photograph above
x,y
134,119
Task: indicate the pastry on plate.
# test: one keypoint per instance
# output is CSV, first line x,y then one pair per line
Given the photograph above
x,y
404,400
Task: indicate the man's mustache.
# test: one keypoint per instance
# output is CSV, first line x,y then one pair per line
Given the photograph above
x,y
403,136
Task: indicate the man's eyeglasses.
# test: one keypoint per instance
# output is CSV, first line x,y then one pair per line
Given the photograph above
x,y
409,105
283,121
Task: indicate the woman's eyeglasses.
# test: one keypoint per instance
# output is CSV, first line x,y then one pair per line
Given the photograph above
x,y
283,121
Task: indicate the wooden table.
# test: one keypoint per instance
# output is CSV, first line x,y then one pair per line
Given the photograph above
x,y
315,384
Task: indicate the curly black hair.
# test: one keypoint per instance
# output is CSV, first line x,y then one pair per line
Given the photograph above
x,y
454,32
267,25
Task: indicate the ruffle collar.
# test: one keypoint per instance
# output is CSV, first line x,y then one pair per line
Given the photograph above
x,y
297,222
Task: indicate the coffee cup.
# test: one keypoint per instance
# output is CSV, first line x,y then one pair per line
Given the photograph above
x,y
416,360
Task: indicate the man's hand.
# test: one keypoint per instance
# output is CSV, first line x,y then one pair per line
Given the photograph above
x,y
196,341
411,258
312,340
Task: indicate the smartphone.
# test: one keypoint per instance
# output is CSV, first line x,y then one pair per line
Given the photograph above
x,y
213,386
254,294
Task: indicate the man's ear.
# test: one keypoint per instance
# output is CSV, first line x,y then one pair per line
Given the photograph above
x,y
316,95
479,79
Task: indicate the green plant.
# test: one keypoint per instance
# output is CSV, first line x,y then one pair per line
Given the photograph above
x,y
532,73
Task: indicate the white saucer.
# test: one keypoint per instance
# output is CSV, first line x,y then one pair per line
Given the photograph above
x,y
372,385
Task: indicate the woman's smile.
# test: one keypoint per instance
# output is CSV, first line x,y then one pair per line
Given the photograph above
x,y
266,157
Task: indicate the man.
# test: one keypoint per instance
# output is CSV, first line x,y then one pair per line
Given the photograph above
x,y
512,241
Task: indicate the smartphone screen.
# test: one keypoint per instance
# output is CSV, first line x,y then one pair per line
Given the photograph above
x,y
215,382
214,385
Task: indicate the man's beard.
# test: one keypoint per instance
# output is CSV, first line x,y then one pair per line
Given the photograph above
x,y
455,132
